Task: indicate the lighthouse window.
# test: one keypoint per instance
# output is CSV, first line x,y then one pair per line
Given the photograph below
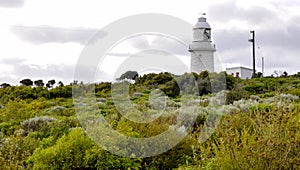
x,y
207,33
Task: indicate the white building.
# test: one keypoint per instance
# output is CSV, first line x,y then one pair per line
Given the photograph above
x,y
241,72
202,50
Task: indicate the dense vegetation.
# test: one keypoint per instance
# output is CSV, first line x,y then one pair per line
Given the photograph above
x,y
259,128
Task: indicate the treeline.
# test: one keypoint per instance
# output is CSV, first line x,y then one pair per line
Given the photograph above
x,y
171,84
37,83
203,83
26,92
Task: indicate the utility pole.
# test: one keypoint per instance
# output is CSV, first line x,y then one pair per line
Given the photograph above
x,y
262,65
252,40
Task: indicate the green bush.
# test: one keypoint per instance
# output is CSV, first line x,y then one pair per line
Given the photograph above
x,y
267,138
257,88
235,95
295,92
67,153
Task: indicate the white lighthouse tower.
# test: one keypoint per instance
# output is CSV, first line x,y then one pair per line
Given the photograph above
x,y
202,50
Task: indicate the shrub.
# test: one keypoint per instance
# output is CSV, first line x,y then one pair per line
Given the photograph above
x,y
67,153
287,98
236,94
35,123
256,88
295,92
262,139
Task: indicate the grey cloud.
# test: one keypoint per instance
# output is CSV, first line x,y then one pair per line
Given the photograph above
x,y
295,20
227,11
257,14
47,34
287,39
223,11
86,72
11,3
139,43
235,39
152,59
10,61
161,43
241,56
272,31
231,39
172,46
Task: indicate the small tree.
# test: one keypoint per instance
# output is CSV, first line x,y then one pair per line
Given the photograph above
x,y
278,73
259,75
4,85
39,83
132,75
26,82
60,84
50,83
203,74
284,74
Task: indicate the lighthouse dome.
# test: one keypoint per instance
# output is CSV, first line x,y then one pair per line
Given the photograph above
x,y
202,23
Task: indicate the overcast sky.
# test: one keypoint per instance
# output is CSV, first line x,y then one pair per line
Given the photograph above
x,y
42,39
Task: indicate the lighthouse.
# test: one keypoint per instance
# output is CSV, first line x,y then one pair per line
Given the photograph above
x,y
202,50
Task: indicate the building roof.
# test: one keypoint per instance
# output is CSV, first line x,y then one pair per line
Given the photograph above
x,y
238,68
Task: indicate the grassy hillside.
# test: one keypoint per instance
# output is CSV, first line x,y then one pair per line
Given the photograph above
x,y
259,128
